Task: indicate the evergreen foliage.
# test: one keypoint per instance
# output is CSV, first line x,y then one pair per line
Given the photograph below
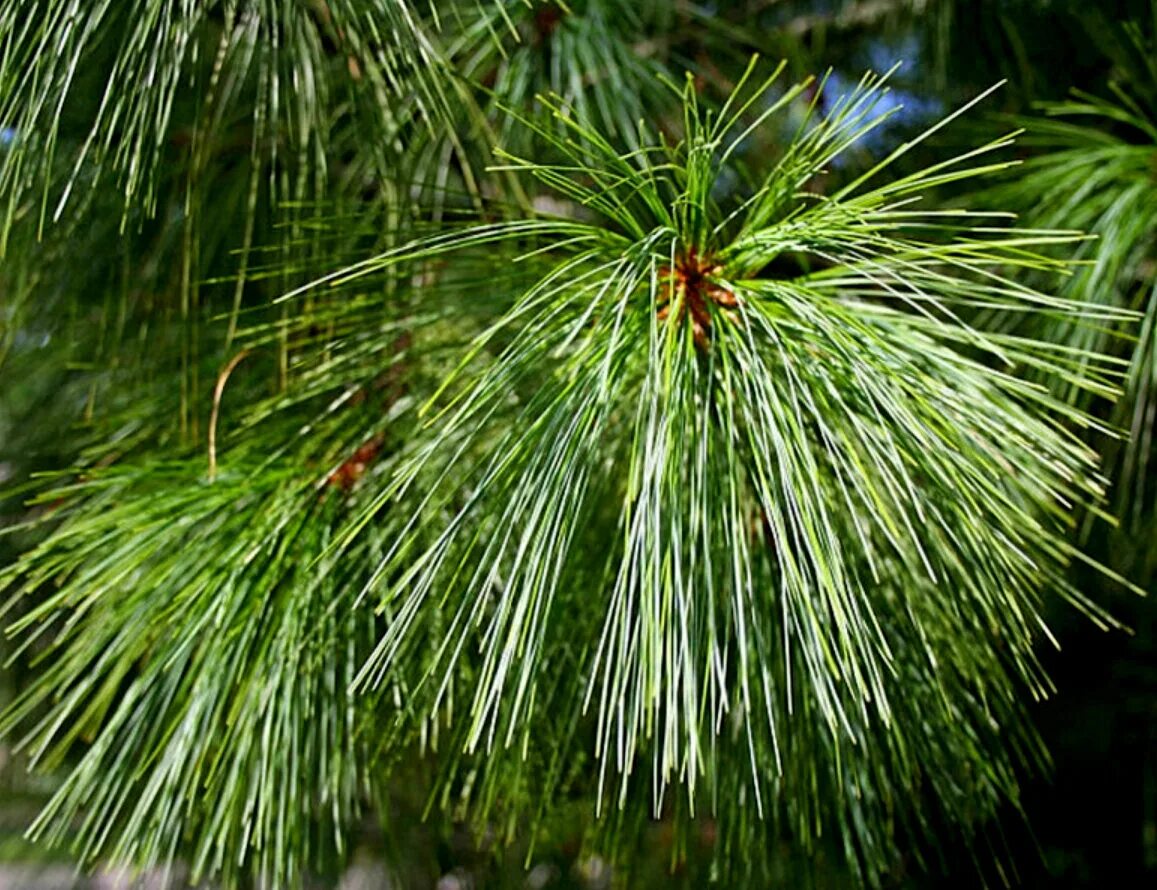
x,y
1097,173
512,410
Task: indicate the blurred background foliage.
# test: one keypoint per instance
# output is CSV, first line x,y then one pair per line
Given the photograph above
x,y
169,170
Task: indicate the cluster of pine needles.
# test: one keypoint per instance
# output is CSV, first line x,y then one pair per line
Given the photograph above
x,y
496,399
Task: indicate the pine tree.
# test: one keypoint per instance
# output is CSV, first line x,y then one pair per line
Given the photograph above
x,y
513,413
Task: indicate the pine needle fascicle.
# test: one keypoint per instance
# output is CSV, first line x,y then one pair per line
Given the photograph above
x,y
833,507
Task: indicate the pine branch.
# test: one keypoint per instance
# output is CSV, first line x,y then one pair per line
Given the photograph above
x,y
1095,170
815,477
711,473
282,59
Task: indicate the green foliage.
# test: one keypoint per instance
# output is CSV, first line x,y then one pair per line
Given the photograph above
x,y
801,450
1098,173
521,410
274,62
